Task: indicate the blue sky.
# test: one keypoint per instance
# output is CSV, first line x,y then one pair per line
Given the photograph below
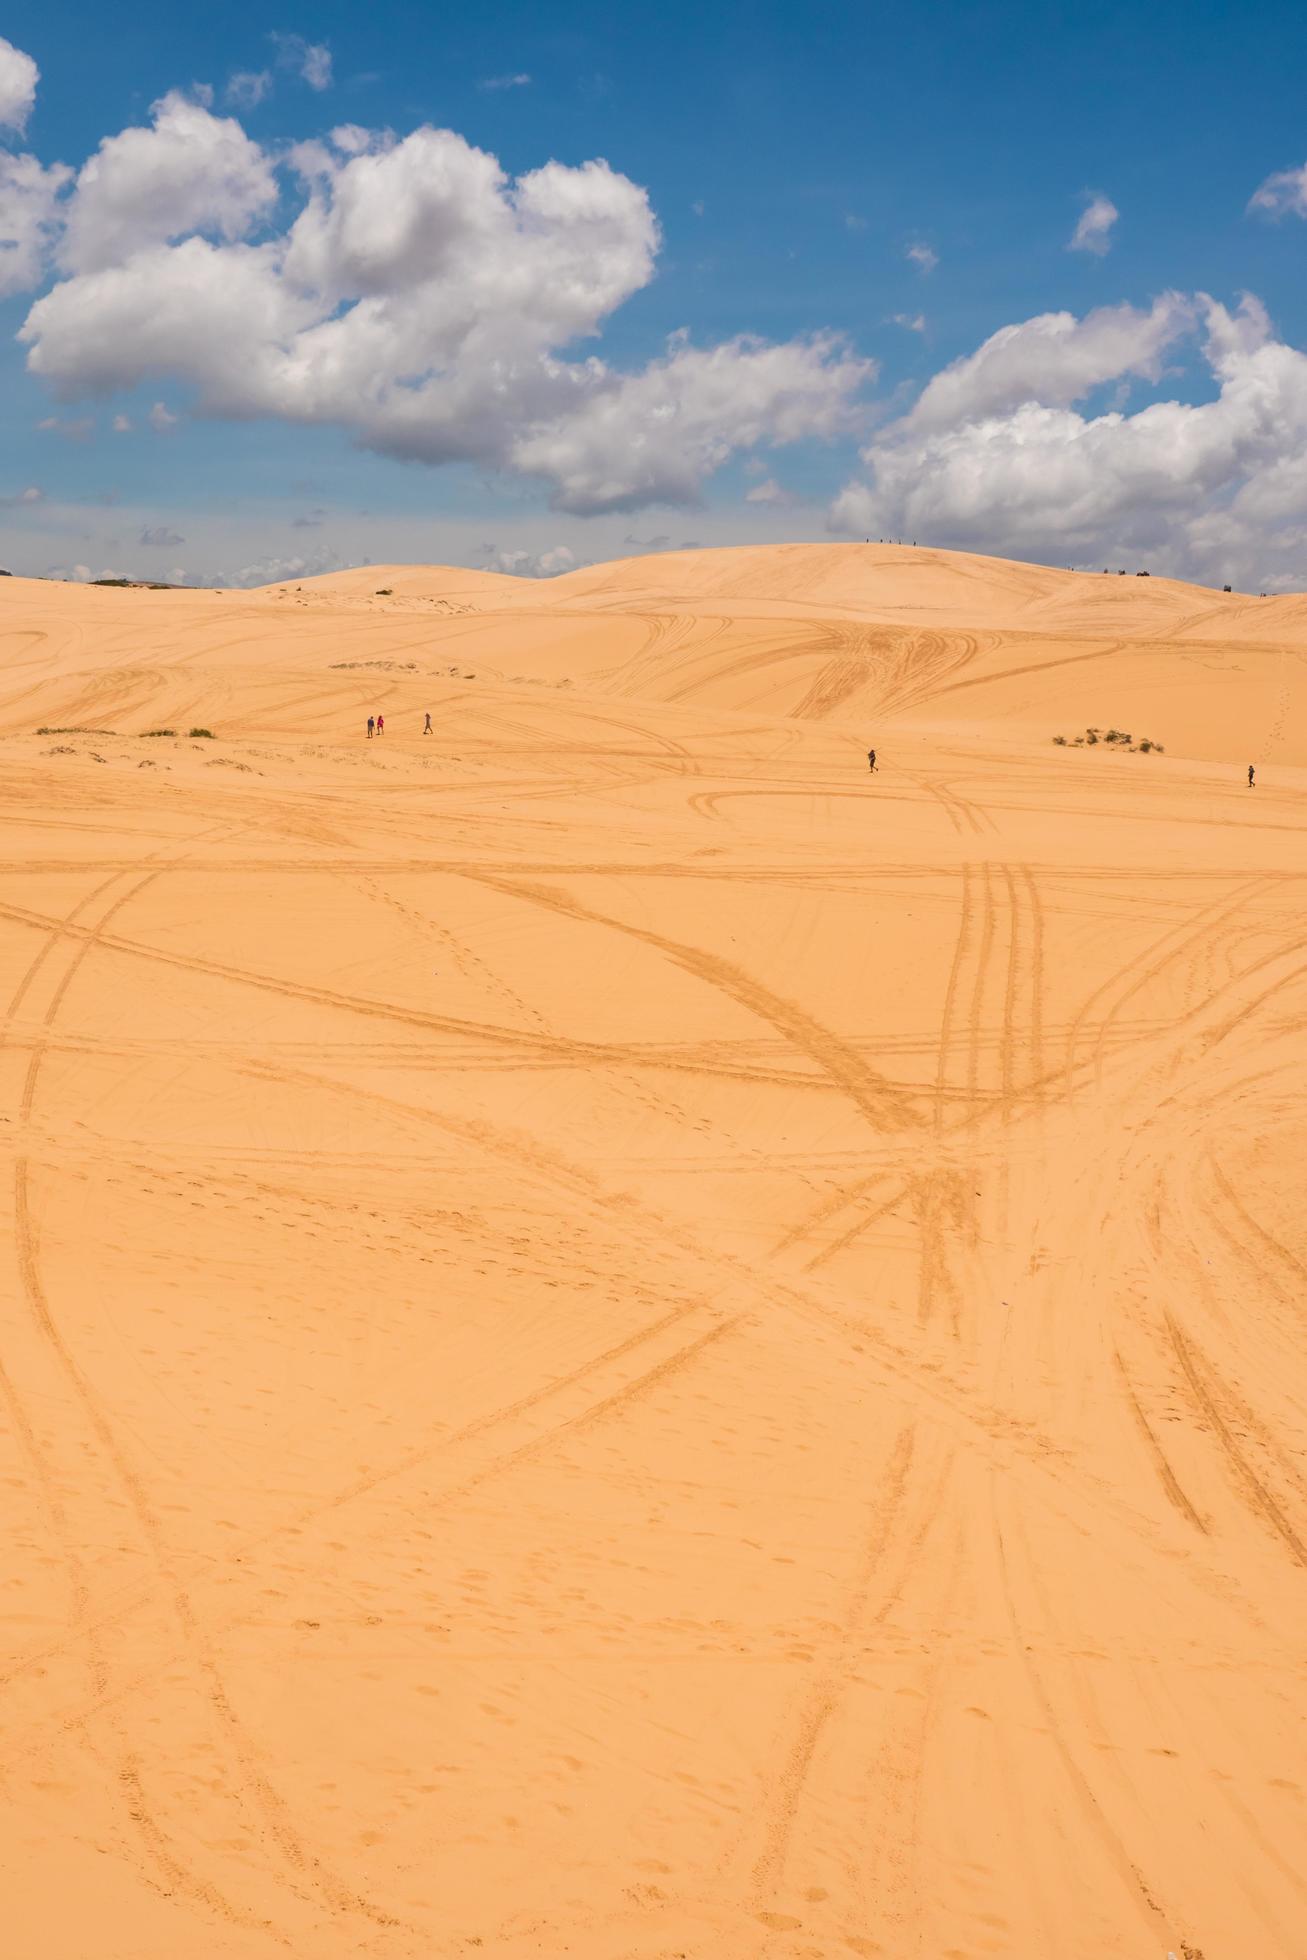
x,y
834,210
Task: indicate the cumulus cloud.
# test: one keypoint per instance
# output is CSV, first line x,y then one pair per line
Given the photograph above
x,y
122,425
23,498
161,418
29,219
922,256
190,172
910,322
653,437
161,535
766,492
1093,232
19,75
495,82
1053,358
1208,489
310,60
420,298
531,564
1283,194
276,570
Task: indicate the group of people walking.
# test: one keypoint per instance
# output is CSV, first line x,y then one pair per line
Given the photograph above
x,y
377,726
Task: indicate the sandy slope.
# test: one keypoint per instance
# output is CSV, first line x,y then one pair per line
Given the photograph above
x,y
618,1340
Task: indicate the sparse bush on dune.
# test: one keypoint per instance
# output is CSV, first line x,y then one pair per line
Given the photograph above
x,y
1119,737
148,733
74,731
206,733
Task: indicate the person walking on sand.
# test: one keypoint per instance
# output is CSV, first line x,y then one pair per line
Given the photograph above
x,y
371,725
381,724
427,729
871,760
1250,775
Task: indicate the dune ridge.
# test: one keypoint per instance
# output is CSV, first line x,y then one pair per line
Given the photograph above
x,y
622,1338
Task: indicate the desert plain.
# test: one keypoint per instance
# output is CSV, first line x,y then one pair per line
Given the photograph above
x,y
623,1339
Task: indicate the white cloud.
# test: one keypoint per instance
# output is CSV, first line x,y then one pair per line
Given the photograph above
x,y
20,498
495,82
19,75
177,576
1093,232
766,492
653,437
248,87
420,299
1053,358
122,425
161,418
922,256
161,535
911,322
275,569
192,172
311,61
72,429
1284,192
532,564
1216,489
29,219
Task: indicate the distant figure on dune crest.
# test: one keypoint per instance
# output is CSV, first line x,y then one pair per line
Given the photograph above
x,y
427,729
871,760
371,726
1250,775
381,724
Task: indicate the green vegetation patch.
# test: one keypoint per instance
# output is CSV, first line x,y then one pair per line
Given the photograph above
x,y
206,734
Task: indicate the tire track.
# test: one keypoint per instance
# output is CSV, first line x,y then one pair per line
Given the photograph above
x,y
253,1785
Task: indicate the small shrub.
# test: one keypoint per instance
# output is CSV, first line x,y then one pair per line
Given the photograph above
x,y
205,734
1145,746
1092,739
1060,740
74,731
384,592
149,733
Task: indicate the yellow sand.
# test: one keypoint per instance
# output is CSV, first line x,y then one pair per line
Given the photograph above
x,y
620,1340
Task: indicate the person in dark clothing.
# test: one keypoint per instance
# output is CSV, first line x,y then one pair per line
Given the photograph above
x,y
371,725
427,729
871,759
1250,775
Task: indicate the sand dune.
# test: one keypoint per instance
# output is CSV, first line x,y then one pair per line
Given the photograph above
x,y
621,1340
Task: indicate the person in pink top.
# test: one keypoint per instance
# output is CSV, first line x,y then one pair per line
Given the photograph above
x,y
381,724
